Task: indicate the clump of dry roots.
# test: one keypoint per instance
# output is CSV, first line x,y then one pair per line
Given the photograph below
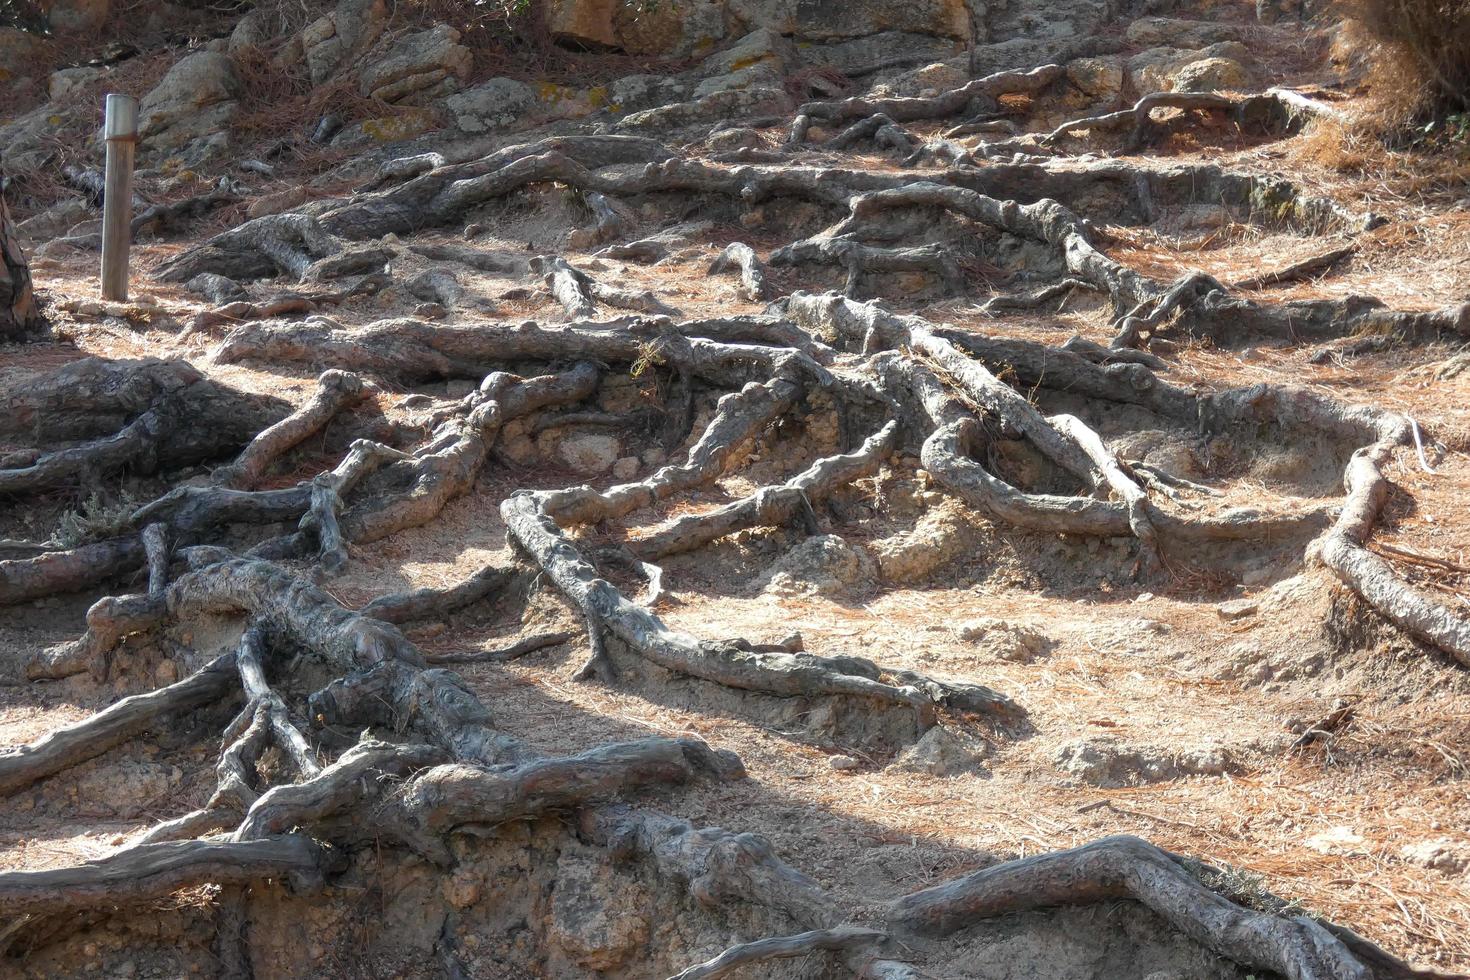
x,y
431,764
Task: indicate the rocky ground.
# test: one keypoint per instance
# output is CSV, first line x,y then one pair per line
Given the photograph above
x,y
1214,667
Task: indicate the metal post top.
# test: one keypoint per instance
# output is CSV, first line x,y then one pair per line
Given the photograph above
x,y
122,117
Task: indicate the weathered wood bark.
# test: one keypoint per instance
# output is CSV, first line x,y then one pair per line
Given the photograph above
x,y
738,255
19,314
152,871
126,719
1298,948
335,391
774,505
840,938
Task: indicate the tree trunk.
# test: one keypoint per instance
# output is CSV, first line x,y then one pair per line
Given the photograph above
x,y
18,314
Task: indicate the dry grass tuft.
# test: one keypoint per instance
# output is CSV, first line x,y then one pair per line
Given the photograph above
x,y
1423,48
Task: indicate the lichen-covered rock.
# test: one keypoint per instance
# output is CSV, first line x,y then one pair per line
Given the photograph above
x,y
78,16
332,40
1100,78
638,28
758,59
676,29
634,92
1174,32
1048,21
840,19
590,453
55,220
820,565
418,67
494,105
930,80
68,80
22,53
1213,75
196,99
583,21
864,55
1154,70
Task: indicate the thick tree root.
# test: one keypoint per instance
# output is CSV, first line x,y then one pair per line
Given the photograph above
x,y
859,260
1274,111
264,247
579,293
1298,948
336,390
128,718
738,255
838,939
772,506
440,193
167,217
985,90
1342,550
154,871
189,420
436,604
777,673
67,570
881,129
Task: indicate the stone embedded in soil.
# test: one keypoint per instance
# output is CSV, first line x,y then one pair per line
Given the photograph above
x,y
820,565
1237,609
940,538
1008,641
1109,762
595,922
1438,855
589,453
1340,841
125,789
943,752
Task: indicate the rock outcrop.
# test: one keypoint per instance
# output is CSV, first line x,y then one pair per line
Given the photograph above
x,y
196,99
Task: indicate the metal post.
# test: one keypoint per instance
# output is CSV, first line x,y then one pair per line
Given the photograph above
x,y
121,133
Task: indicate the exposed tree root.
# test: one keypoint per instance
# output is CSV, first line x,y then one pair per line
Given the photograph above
x,y
67,570
777,673
406,607
1299,948
166,217
263,247
126,719
840,938
336,390
772,506
187,419
949,103
859,259
738,255
153,871
579,293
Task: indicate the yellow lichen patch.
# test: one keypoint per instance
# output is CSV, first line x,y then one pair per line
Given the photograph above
x,y
740,63
389,129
